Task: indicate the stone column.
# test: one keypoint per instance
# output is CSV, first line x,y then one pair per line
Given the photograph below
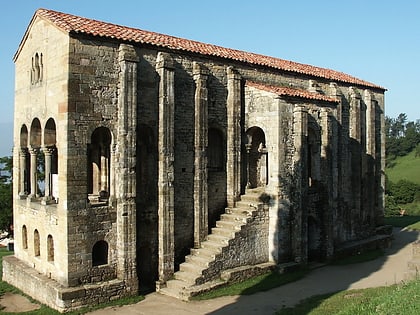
x,y
298,223
328,178
380,156
48,158
356,160
104,171
125,188
112,183
200,161
23,183
165,69
233,167
33,189
370,156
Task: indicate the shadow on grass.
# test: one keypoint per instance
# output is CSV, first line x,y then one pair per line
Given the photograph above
x,y
402,221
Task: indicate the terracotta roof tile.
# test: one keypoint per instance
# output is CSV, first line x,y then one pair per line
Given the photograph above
x,y
292,92
76,24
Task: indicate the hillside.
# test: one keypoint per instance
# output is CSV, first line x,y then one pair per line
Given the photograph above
x,y
404,167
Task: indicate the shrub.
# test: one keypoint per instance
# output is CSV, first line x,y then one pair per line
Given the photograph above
x,y
391,206
403,191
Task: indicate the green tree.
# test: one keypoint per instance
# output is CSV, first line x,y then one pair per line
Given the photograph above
x,y
6,200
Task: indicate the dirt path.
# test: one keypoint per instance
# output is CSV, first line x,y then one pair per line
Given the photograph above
x,y
383,271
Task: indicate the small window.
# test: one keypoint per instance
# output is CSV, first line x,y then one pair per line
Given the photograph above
x,y
50,248
100,253
37,251
36,69
24,237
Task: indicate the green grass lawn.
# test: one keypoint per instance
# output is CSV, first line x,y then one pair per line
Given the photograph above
x,y
407,221
404,167
403,299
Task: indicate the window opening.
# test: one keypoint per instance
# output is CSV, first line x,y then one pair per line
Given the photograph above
x,y
100,253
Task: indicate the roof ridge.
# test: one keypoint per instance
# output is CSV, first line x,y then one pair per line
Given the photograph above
x,y
72,23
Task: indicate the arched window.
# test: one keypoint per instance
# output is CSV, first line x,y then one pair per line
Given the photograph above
x,y
215,151
50,248
36,164
51,158
313,155
257,158
24,183
99,163
37,251
36,69
100,253
24,237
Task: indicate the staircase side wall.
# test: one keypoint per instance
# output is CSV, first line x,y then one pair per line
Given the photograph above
x,y
249,247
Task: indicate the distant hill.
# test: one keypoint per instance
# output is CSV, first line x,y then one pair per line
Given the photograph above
x,y
6,138
404,167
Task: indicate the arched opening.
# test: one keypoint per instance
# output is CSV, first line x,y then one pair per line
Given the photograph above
x,y
99,153
257,170
37,251
50,248
35,134
313,155
146,204
216,175
24,237
24,183
215,151
100,253
36,160
51,159
36,69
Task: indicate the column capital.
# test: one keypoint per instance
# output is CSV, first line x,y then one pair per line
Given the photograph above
x,y
232,74
127,53
33,150
199,71
23,151
164,60
48,150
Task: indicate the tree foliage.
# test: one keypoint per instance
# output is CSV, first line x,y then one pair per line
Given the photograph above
x,y
6,199
402,136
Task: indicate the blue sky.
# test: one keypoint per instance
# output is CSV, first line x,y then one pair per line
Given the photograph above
x,y
374,40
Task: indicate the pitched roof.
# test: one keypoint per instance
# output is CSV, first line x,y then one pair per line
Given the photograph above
x,y
80,25
291,92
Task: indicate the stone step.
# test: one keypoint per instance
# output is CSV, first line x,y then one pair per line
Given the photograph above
x,y
229,233
238,218
199,260
213,245
191,268
245,205
187,277
229,224
251,198
208,252
177,285
220,240
173,292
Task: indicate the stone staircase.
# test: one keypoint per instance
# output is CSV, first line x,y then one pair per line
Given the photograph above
x,y
204,268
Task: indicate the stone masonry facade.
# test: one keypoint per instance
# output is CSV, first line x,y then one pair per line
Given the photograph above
x,y
169,163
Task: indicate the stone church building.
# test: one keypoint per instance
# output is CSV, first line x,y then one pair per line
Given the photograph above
x,y
146,162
